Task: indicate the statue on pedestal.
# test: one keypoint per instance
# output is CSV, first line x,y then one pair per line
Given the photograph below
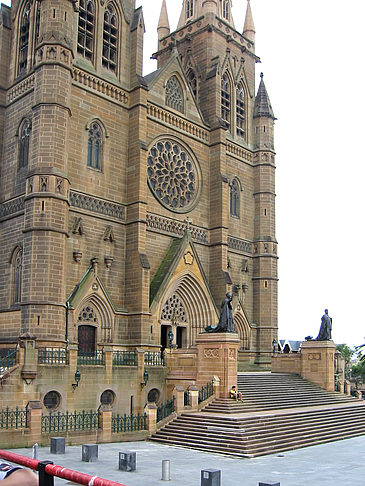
x,y
325,331
226,322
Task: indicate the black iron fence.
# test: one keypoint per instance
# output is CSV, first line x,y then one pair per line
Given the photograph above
x,y
154,358
13,418
53,356
70,421
165,409
90,357
128,423
124,358
205,392
7,359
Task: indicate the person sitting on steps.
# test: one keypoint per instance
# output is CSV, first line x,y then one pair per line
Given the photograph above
x,y
235,394
16,476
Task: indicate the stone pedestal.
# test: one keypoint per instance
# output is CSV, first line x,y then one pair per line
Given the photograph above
x,y
318,364
217,355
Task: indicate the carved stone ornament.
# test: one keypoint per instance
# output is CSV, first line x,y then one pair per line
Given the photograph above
x,y
232,354
314,356
77,254
188,258
211,353
108,261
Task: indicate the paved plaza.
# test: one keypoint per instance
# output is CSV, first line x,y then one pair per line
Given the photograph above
x,y
337,463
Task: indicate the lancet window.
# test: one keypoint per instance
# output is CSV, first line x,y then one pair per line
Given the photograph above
x,y
225,9
95,146
240,112
226,99
24,137
192,81
234,202
110,38
24,38
174,94
17,276
189,8
85,40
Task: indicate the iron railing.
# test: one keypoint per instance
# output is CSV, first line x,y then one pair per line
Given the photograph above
x,y
70,421
13,418
187,398
165,409
90,357
8,360
124,358
54,356
154,358
128,423
205,392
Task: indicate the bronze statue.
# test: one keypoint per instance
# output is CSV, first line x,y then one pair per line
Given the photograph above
x,y
226,322
325,331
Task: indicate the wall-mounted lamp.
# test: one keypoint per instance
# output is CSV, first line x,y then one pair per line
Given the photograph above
x,y
171,338
77,379
145,378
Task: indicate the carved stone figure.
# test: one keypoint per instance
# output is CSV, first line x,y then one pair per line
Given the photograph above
x,y
226,323
325,331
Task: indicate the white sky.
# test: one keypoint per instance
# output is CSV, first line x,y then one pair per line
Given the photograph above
x,y
313,60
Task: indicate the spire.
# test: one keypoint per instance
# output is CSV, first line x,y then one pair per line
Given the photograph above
x,y
263,106
163,27
249,27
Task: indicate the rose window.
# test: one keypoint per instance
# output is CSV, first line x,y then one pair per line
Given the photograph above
x,y
172,175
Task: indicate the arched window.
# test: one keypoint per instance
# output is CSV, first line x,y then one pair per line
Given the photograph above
x,y
226,99
234,199
85,39
174,94
192,81
189,8
37,23
110,38
24,39
17,270
241,112
95,146
24,136
226,9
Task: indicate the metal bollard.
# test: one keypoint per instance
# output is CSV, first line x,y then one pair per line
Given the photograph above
x,y
166,470
35,451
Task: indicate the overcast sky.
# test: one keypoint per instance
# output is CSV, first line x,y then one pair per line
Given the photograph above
x,y
312,55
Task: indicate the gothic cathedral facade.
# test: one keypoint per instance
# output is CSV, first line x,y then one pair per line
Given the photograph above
x,y
130,204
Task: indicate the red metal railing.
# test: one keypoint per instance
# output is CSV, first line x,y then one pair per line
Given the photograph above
x,y
59,471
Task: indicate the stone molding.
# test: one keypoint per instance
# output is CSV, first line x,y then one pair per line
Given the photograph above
x,y
12,207
237,244
176,121
21,89
96,205
84,79
239,152
173,227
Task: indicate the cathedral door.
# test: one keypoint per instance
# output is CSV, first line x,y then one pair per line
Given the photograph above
x,y
87,339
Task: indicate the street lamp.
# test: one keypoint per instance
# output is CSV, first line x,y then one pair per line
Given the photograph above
x,y
171,338
145,378
77,379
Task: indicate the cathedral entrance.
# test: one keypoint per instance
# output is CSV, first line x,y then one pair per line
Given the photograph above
x,y
87,339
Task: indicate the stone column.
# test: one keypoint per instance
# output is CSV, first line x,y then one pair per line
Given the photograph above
x,y
347,387
151,411
318,364
30,356
105,423
34,422
217,356
194,397
108,360
178,393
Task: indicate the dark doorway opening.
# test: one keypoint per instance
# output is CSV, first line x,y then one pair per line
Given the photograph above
x,y
87,339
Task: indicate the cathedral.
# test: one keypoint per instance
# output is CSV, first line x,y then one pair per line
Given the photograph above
x,y
130,204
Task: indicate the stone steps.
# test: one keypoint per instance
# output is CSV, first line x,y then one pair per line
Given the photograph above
x,y
267,423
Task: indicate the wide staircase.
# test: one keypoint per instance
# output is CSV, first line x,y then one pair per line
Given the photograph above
x,y
279,412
